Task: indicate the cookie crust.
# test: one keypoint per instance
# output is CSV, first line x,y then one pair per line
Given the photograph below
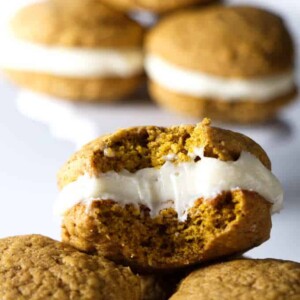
x,y
224,41
246,279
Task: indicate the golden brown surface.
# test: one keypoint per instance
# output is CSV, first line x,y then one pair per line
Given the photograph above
x,y
46,23
224,41
77,89
36,267
246,111
229,224
267,279
141,147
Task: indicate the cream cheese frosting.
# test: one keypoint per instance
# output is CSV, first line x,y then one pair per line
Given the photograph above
x,y
197,84
175,186
21,55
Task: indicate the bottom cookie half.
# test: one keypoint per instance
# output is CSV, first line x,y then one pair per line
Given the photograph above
x,y
77,89
236,112
231,223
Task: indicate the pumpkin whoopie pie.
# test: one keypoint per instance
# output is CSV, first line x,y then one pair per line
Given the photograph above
x,y
50,51
163,198
230,63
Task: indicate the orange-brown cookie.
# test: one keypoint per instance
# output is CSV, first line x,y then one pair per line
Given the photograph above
x,y
259,279
54,52
36,267
208,62
164,198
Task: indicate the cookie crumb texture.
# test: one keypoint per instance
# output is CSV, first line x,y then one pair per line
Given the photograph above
x,y
267,279
35,267
232,222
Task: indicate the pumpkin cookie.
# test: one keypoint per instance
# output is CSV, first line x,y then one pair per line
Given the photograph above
x,y
51,51
266,279
217,62
36,267
163,198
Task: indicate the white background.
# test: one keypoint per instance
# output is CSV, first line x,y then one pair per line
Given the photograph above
x,y
31,152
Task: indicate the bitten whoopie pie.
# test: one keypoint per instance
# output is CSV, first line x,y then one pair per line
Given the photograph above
x,y
259,279
229,63
161,198
36,267
53,52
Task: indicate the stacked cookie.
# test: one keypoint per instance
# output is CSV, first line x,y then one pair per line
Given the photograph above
x,y
143,207
230,63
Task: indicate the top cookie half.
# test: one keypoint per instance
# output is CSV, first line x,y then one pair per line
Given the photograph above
x,y
137,148
48,24
224,41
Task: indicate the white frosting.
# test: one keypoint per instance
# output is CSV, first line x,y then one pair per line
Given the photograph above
x,y
174,185
197,84
20,55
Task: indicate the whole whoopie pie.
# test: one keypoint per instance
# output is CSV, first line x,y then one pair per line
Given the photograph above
x,y
229,63
259,279
36,267
161,198
51,51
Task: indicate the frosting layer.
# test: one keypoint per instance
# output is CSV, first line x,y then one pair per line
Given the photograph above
x,y
198,84
20,55
175,186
